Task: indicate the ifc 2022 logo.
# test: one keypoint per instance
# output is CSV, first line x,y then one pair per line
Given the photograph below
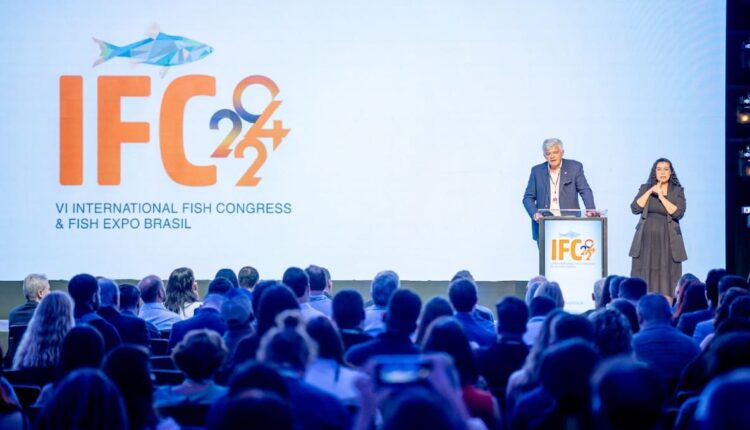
x,y
164,51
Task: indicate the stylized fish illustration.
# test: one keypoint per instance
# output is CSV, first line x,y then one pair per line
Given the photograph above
x,y
570,234
160,50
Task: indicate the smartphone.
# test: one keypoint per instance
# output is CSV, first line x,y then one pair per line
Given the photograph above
x,y
396,370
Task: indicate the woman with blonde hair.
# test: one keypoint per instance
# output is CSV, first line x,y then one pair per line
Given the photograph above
x,y
41,343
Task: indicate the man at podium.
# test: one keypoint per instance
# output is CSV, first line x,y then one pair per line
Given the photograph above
x,y
555,185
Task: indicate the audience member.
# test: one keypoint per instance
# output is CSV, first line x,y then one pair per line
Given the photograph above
x,y
614,286
692,298
236,311
254,410
551,290
320,289
327,370
85,399
349,315
497,362
82,347
41,344
596,296
229,275
199,355
35,287
627,395
662,347
207,317
383,285
612,334
632,289
479,310
463,296
288,346
298,281
130,297
84,289
531,286
153,310
258,291
131,329
721,406
446,334
248,277
401,321
539,308
722,312
219,286
678,289
690,321
627,309
436,307
129,369
182,293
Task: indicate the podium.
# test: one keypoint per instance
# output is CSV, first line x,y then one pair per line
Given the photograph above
x,y
573,253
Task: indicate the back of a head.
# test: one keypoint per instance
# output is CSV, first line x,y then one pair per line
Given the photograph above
x,y
85,399
151,286
627,395
531,286
463,274
82,288
129,368
712,284
569,326
614,286
725,303
229,275
200,354
628,310
565,372
633,289
275,300
288,344
348,309
384,284
541,306
693,297
255,375
728,352
445,334
512,315
732,281
254,410
553,291
317,277
296,279
129,296
598,293
33,285
435,308
179,289
82,347
419,408
248,277
740,308
220,286
612,332
236,309
109,292
258,291
463,295
403,311
654,308
721,404
330,345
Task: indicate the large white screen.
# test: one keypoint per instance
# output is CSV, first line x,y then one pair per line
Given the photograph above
x,y
413,128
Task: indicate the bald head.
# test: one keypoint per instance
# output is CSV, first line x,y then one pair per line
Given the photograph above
x,y
152,289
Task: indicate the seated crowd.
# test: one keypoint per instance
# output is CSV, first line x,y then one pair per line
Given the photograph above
x,y
295,354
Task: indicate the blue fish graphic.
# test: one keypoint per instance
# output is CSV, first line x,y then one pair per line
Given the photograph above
x,y
570,234
161,50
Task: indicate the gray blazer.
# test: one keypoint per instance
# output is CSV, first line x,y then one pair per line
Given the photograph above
x,y
676,195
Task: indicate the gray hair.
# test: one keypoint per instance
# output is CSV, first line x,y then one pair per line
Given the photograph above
x,y
549,143
109,292
383,286
551,290
33,284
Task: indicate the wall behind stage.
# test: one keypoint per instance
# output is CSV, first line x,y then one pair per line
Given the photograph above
x,y
412,129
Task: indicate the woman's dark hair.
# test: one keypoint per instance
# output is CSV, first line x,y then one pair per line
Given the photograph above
x,y
229,275
628,310
200,354
82,347
274,301
254,409
287,344
612,332
420,408
180,290
327,337
672,179
445,334
436,307
85,399
129,368
725,303
258,291
692,298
